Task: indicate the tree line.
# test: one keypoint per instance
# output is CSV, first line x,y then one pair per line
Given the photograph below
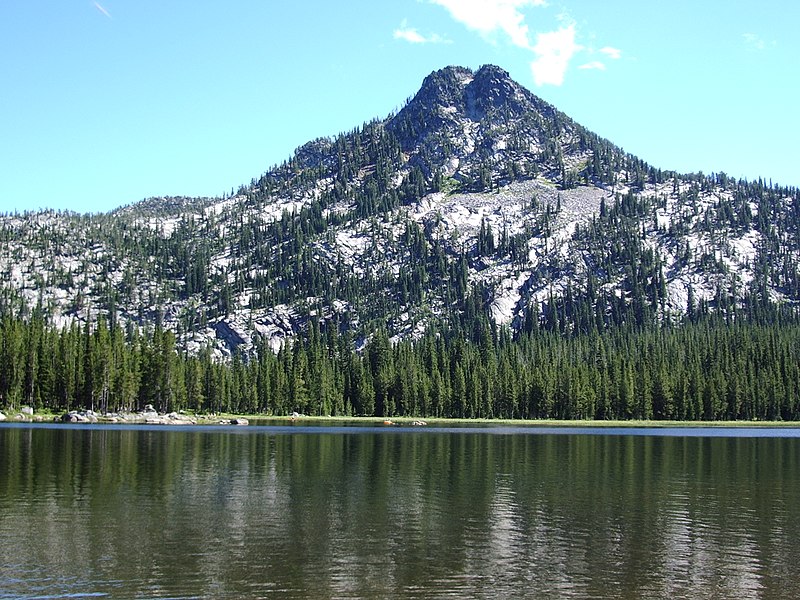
x,y
706,370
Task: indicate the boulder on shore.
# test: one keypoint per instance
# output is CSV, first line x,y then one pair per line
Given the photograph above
x,y
174,418
2,417
73,416
84,416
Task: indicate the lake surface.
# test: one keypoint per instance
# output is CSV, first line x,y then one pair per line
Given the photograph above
x,y
296,512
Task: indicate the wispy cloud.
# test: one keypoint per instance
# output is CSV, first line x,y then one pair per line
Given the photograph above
x,y
612,53
554,50
490,16
756,42
100,7
598,65
593,65
411,35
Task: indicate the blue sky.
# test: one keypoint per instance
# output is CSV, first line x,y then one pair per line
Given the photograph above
x,y
104,103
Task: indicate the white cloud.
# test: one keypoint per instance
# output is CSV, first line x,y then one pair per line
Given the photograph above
x,y
411,35
753,41
489,16
554,51
756,42
613,53
598,65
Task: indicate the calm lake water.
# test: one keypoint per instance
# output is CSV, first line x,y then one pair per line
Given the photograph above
x,y
287,512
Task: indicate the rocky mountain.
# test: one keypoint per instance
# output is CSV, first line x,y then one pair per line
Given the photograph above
x,y
476,205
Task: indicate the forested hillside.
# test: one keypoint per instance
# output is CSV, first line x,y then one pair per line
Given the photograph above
x,y
478,253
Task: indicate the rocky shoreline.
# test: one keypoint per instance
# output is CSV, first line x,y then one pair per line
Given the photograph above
x,y
147,416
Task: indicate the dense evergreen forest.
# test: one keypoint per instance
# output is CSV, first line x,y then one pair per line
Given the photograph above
x,y
707,369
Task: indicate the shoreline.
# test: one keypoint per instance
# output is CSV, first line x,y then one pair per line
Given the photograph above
x,y
455,422
179,419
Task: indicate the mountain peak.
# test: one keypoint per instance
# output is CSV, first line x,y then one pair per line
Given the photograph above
x,y
442,88
493,77
460,87
461,119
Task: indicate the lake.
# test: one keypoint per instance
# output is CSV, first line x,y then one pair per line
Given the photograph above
x,y
371,512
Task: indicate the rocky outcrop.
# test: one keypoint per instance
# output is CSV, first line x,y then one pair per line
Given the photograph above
x,y
149,415
235,421
174,418
84,416
152,417
232,338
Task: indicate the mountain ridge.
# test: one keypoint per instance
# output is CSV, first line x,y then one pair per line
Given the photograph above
x,y
477,202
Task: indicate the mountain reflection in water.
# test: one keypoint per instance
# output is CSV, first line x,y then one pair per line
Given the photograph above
x,y
384,512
